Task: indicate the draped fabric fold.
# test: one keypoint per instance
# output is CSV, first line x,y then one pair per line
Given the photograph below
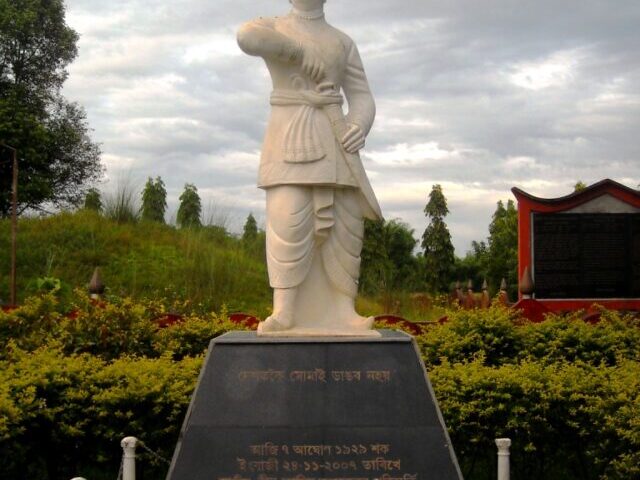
x,y
341,253
302,141
322,220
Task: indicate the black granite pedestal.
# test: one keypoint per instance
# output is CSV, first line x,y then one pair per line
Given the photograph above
x,y
313,408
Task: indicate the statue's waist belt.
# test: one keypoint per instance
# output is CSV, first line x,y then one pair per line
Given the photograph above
x,y
305,97
302,143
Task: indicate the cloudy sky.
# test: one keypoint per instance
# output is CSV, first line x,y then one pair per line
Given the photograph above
x,y
478,96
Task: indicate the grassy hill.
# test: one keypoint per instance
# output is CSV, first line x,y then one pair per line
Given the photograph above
x,y
207,266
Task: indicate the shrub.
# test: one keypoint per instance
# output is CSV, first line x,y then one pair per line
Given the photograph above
x,y
469,333
63,414
499,335
567,420
77,376
568,338
192,337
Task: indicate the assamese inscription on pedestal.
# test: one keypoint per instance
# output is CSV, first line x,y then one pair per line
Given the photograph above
x,y
586,255
311,409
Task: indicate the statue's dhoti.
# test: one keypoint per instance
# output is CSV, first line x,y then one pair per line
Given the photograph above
x,y
314,240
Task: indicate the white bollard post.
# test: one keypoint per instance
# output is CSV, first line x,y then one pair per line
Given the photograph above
x,y
128,445
503,445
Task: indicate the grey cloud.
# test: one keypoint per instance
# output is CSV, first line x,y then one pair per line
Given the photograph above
x,y
442,72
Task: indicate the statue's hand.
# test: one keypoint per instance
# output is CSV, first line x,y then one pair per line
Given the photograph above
x,y
353,140
312,64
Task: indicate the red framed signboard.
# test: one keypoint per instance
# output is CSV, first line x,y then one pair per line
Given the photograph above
x,y
583,248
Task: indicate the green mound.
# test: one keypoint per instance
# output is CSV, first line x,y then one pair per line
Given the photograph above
x,y
207,265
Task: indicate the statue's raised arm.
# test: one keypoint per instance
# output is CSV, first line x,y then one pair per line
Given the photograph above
x,y
260,38
317,190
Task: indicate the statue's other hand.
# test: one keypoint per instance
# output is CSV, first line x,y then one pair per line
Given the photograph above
x,y
313,65
353,140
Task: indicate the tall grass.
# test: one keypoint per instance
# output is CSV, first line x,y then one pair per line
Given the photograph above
x,y
202,269
216,215
122,204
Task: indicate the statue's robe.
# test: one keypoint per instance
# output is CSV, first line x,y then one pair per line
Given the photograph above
x,y
315,206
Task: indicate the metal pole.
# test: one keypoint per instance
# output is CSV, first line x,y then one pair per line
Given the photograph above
x,y
14,224
503,445
128,445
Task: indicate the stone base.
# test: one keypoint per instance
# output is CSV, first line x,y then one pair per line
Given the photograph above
x,y
313,407
321,332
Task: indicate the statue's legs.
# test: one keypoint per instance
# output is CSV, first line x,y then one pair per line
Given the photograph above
x,y
314,240
339,259
284,300
290,241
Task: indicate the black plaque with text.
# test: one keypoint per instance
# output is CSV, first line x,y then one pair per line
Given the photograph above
x,y
579,256
302,409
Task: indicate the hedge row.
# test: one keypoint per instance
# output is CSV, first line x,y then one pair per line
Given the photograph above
x,y
64,415
107,329
567,420
72,384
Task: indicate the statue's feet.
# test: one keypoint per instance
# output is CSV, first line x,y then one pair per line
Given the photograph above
x,y
359,322
274,323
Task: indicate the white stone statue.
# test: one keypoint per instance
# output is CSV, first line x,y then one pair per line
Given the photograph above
x,y
317,191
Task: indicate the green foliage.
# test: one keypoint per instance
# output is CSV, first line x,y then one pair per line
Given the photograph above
x,y
473,265
107,329
75,378
192,337
93,200
498,257
556,388
250,229
375,265
62,414
120,205
43,410
502,259
436,243
499,335
254,240
473,333
79,378
55,154
154,200
36,46
564,418
579,186
388,263
190,207
148,260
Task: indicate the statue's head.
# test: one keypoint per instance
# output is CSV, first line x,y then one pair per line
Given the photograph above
x,y
307,5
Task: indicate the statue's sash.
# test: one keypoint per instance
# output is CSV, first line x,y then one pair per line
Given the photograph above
x,y
302,143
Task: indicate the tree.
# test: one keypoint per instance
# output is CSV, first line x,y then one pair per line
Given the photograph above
x,y
375,265
190,207
400,244
473,266
502,255
93,201
254,239
250,230
436,243
57,159
579,186
388,263
154,200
